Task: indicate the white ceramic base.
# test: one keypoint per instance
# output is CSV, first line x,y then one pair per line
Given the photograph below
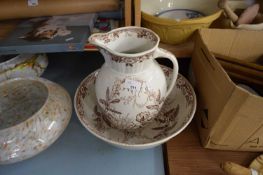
x,y
176,114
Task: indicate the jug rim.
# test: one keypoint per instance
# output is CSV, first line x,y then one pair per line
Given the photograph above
x,y
155,46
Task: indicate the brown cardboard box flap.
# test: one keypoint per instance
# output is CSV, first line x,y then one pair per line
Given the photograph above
x,y
207,73
229,117
241,44
240,118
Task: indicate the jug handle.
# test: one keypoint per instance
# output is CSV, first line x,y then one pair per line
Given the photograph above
x,y
166,54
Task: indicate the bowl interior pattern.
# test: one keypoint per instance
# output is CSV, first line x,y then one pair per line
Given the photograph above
x,y
173,30
180,14
206,7
19,100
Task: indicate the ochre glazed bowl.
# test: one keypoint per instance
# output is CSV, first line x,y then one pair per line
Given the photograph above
x,y
33,114
174,31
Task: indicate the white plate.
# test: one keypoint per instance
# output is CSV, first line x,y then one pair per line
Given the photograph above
x,y
176,114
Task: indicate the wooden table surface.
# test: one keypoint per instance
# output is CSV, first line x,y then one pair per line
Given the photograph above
x,y
184,155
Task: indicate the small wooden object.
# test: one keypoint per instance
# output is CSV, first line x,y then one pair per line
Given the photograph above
x,y
232,168
249,14
229,12
255,168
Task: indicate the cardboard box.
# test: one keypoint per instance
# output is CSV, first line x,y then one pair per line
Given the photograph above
x,y
229,117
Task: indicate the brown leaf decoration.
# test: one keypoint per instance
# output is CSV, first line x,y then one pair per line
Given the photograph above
x,y
107,94
159,95
102,101
160,127
172,114
172,126
83,91
112,110
152,107
160,120
171,111
97,119
158,135
176,111
115,101
106,120
96,111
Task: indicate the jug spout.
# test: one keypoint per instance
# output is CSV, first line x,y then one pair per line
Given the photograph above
x,y
126,41
98,39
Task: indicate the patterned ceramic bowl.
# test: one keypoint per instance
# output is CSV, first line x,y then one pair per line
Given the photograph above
x,y
24,65
33,114
175,115
176,20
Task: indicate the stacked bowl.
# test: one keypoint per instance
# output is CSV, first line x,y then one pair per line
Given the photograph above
x,y
176,20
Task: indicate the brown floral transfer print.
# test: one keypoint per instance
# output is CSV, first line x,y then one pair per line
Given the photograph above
x,y
187,91
181,84
164,124
82,93
153,101
130,61
167,116
138,32
143,117
167,121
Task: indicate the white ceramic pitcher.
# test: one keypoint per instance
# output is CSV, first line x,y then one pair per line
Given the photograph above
x,y
131,86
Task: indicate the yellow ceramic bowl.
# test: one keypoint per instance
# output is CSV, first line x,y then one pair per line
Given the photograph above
x,y
174,31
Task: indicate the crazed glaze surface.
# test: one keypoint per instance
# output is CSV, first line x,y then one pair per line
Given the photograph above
x,y
24,65
33,114
176,113
131,87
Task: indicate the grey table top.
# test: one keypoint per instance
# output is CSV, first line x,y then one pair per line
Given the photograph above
x,y
78,152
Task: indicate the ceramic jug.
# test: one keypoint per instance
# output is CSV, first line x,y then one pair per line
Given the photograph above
x,y
131,86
